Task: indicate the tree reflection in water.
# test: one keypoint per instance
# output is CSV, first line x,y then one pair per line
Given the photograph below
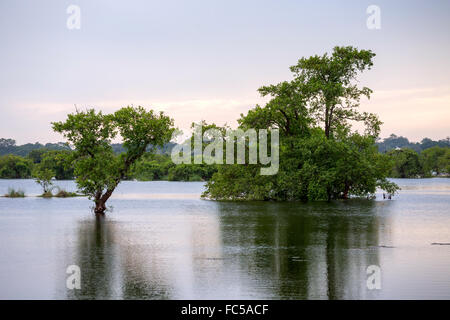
x,y
231,250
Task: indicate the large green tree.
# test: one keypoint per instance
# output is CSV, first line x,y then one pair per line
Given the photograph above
x,y
97,169
324,89
321,158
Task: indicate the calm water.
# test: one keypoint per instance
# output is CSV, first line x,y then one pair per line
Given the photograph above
x,y
162,242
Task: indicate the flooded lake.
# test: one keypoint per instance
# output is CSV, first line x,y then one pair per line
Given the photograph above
x,y
160,241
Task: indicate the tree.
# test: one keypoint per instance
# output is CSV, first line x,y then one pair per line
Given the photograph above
x,y
323,91
43,177
312,168
6,143
59,162
405,163
15,167
97,169
7,146
36,155
435,159
328,84
152,167
320,157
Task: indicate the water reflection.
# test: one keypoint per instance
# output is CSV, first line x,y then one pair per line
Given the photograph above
x,y
186,248
112,267
95,257
305,251
231,250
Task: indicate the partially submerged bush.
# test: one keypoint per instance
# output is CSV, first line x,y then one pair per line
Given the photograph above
x,y
60,193
12,193
47,194
65,194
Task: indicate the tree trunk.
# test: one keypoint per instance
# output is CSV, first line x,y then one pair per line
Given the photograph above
x,y
100,207
346,190
100,201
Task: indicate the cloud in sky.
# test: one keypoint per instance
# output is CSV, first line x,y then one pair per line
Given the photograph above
x,y
204,60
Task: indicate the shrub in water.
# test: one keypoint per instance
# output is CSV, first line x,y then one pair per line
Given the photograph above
x,y
12,193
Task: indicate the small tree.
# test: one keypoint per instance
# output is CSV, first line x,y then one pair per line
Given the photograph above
x,y
97,169
43,177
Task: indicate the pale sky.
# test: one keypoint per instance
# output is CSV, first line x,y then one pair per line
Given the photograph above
x,y
206,59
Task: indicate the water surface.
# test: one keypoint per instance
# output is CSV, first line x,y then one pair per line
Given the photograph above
x,y
160,241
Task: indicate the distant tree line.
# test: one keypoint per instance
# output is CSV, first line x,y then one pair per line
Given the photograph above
x,y
393,142
407,163
8,146
416,159
23,163
408,159
160,167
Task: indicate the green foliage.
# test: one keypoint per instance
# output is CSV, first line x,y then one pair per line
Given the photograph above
x,y
191,172
17,167
59,161
152,167
311,168
160,167
320,158
12,193
61,193
405,163
328,85
65,194
323,93
36,155
435,160
14,167
97,168
43,177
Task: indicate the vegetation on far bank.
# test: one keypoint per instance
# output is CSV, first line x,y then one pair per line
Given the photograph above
x,y
151,167
406,163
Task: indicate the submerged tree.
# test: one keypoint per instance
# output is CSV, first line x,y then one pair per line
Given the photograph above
x,y
320,157
97,169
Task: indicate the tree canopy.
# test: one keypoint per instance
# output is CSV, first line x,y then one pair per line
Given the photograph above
x,y
97,168
321,158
